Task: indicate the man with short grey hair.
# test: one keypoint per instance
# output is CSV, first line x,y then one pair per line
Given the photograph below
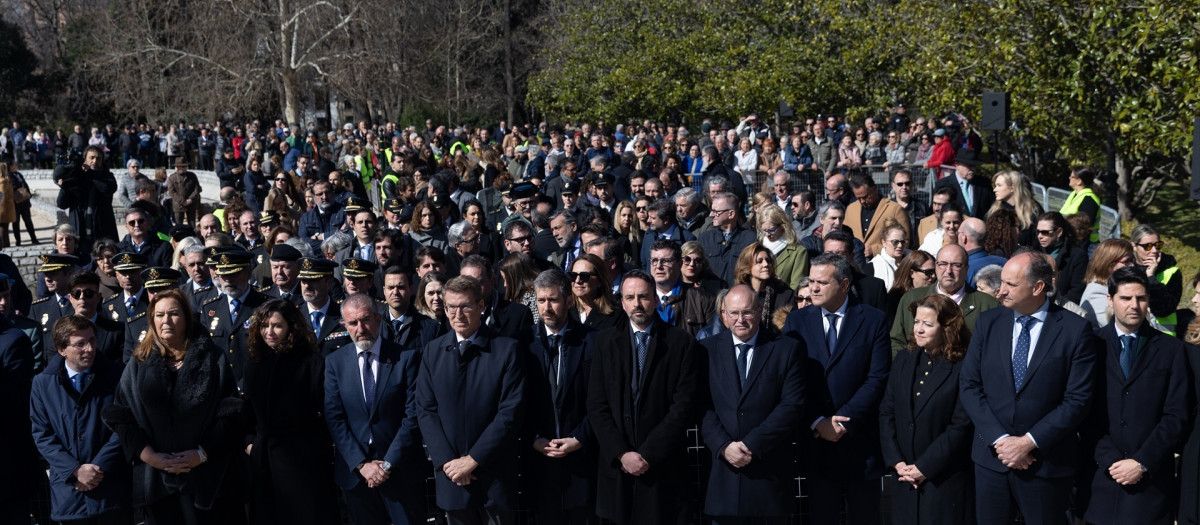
x,y
690,213
952,267
727,238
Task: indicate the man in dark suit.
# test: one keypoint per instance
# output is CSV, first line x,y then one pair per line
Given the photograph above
x,y
363,220
143,240
848,364
864,288
403,324
1027,382
370,410
756,380
645,392
85,300
19,472
285,274
1140,413
227,316
57,269
132,299
319,308
952,268
973,192
199,286
663,226
507,319
469,405
562,469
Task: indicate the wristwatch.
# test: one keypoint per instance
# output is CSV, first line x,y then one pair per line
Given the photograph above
x,y
1142,468
387,467
203,456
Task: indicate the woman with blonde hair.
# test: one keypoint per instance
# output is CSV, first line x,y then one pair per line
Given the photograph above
x,y
695,269
1015,193
776,234
1110,255
756,269
626,223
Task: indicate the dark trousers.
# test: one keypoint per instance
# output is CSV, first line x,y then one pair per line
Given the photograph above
x,y
480,517
116,517
180,509
575,516
828,497
1040,501
730,520
367,506
24,214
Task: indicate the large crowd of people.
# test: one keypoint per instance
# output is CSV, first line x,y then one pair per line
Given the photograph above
x,y
525,324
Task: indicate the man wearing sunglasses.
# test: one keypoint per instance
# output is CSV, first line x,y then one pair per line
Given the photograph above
x,y
143,240
952,267
904,193
85,299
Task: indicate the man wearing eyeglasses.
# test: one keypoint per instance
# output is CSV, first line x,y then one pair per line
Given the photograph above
x,y
903,193
680,305
952,267
142,239
472,439
727,238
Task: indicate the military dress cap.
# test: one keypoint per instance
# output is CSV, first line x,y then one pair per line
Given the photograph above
x,y
523,190
211,253
602,179
129,261
357,204
440,200
268,218
159,278
393,205
506,188
358,268
182,232
57,261
284,252
571,187
231,262
316,268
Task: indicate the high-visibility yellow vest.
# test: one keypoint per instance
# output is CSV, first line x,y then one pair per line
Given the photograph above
x,y
1167,322
1074,200
392,177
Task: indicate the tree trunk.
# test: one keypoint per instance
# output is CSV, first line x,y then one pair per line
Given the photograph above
x,y
291,97
1125,186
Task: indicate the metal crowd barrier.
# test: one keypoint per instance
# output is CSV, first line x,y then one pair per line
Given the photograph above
x,y
1052,199
814,180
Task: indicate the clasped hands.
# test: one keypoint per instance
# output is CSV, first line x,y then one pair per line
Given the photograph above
x,y
634,464
460,470
737,454
1015,452
1126,471
831,428
556,448
88,477
373,472
173,463
909,474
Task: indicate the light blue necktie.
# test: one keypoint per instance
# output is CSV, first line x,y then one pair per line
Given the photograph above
x,y
130,303
234,306
966,191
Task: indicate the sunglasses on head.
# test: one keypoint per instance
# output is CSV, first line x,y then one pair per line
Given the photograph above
x,y
83,293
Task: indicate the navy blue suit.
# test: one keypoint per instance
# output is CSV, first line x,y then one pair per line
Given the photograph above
x,y
385,429
1052,402
472,405
560,488
848,381
19,467
762,413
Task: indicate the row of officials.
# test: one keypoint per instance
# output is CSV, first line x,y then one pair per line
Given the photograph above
x,y
246,406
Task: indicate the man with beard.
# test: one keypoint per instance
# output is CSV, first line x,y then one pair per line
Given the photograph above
x,y
86,192
322,312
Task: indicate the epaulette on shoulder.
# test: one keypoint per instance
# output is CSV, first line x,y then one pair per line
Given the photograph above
x,y
264,289
337,335
136,317
113,296
42,300
214,299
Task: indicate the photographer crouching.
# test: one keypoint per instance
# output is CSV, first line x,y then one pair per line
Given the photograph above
x,y
87,189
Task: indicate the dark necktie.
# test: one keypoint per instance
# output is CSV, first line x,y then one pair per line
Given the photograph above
x,y
397,326
62,303
643,346
463,346
743,359
79,381
286,296
1128,344
553,351
831,335
1020,359
368,378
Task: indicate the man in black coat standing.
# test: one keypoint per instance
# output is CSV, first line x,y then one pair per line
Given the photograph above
x,y
1140,412
470,395
756,380
19,472
86,192
562,469
974,192
644,393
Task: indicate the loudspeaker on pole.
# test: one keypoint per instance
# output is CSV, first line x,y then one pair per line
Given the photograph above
x,y
995,111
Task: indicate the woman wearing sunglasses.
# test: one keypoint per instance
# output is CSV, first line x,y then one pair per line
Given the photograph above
x,y
1166,282
696,272
915,270
594,304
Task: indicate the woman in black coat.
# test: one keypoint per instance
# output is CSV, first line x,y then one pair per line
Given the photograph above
x,y
925,432
180,421
594,304
291,452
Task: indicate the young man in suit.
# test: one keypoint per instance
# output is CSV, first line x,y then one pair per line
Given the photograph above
x,y
756,380
369,391
472,438
848,361
1027,382
645,392
1140,413
562,469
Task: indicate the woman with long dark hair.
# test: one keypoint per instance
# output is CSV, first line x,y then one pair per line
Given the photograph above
x,y
594,304
291,453
180,420
925,433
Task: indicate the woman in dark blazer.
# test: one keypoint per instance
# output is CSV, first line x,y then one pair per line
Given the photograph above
x,y
180,421
924,430
594,305
1189,464
291,452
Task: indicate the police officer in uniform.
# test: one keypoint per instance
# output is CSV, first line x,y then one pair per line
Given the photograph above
x,y
57,267
322,311
132,299
358,276
158,279
393,209
284,270
228,315
199,286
